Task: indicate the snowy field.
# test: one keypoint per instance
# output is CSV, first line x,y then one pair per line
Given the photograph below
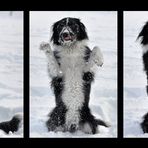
x,y
135,97
102,31
11,67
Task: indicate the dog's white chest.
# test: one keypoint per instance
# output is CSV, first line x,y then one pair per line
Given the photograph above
x,y
73,97
72,67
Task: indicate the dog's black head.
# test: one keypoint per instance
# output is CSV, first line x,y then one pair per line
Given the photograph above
x,y
144,34
67,31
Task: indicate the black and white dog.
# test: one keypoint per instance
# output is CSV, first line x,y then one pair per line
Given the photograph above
x,y
70,66
12,125
144,41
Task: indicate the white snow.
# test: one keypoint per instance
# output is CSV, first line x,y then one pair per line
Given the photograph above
x,y
102,30
11,67
135,97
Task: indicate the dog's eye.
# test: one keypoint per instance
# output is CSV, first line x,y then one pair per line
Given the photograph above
x,y
60,26
74,26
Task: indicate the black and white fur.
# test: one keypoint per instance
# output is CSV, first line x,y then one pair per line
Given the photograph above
x,y
12,125
144,42
70,66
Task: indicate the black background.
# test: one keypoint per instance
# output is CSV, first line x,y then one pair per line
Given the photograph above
x,y
74,5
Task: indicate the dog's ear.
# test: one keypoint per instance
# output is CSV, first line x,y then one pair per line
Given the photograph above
x,y
82,34
55,35
145,116
144,34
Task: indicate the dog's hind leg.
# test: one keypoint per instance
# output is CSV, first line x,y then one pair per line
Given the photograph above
x,y
88,122
89,125
56,119
53,67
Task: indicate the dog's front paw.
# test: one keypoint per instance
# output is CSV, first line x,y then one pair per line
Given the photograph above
x,y
97,56
71,127
45,47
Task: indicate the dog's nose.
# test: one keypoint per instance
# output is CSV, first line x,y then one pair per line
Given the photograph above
x,y
65,34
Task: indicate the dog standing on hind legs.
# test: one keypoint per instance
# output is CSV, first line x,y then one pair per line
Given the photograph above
x,y
70,66
144,42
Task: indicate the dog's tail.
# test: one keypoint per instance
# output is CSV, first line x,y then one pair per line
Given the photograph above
x,y
102,123
13,124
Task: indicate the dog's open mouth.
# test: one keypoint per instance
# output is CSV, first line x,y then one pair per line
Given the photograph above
x,y
68,36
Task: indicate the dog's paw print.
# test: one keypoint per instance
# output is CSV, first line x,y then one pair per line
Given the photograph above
x,y
45,47
97,56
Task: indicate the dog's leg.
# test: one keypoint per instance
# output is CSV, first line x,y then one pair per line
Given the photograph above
x,y
88,122
97,56
91,127
56,119
53,67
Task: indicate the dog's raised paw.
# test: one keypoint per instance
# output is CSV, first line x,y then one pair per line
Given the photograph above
x,y
45,47
97,56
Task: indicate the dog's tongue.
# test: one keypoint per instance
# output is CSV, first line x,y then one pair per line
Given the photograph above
x,y
67,38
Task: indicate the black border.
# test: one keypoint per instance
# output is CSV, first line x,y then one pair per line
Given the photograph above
x,y
26,75
120,139
120,75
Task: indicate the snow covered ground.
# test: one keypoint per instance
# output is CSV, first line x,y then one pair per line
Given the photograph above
x,y
135,97
102,31
11,67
